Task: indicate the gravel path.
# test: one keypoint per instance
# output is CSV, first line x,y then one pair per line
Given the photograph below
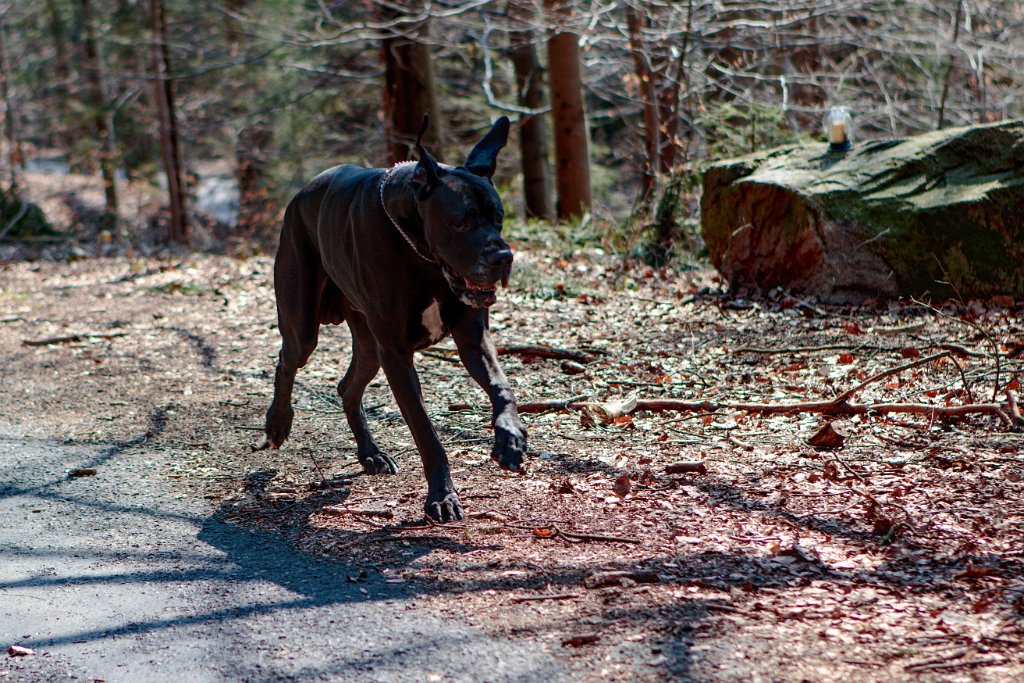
x,y
120,577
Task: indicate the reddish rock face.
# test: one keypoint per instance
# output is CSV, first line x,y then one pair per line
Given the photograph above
x,y
934,215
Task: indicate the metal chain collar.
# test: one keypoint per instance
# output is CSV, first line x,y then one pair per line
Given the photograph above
x,y
383,181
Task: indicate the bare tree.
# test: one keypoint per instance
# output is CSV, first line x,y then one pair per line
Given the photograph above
x,y
257,208
409,84
572,144
648,96
102,115
61,74
14,155
533,128
170,144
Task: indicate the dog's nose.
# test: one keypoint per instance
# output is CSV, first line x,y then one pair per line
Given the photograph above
x,y
500,257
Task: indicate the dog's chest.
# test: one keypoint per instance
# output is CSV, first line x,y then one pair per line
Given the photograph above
x,y
430,320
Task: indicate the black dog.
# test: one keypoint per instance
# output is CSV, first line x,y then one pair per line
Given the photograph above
x,y
405,256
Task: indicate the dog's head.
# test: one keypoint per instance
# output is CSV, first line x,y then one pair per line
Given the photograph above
x,y
462,216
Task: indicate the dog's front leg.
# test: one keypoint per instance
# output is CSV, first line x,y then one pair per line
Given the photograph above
x,y
473,339
442,501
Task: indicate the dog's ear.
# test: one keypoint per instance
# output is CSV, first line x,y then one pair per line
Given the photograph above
x,y
428,173
484,156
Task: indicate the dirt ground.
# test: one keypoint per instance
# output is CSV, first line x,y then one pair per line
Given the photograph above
x,y
895,555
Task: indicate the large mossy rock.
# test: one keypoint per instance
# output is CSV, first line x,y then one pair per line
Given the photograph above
x,y
938,215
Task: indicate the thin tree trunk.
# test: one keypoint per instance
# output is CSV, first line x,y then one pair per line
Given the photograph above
x,y
949,67
257,208
102,117
533,130
652,142
671,77
570,120
15,157
61,130
409,89
232,29
170,145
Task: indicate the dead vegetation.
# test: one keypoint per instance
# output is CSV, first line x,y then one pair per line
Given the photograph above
x,y
719,488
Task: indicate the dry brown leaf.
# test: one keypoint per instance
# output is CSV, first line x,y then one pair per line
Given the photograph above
x,y
826,438
622,486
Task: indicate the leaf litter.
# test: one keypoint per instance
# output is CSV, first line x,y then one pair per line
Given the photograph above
x,y
701,544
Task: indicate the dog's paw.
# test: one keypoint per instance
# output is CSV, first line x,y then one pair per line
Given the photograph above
x,y
378,463
509,443
444,507
278,426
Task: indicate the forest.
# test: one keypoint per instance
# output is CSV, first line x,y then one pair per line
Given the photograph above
x,y
765,442
615,105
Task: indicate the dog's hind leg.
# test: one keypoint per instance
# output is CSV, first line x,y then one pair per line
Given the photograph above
x,y
361,370
298,285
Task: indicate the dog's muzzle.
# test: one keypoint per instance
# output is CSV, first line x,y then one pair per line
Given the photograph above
x,y
479,288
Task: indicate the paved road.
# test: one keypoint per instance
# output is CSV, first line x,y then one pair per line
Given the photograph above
x,y
121,578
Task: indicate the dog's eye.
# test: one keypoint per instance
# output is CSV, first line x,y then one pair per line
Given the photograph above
x,y
461,225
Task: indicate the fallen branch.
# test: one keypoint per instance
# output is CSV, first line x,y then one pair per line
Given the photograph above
x,y
839,406
695,467
571,536
611,578
933,666
337,510
538,598
955,349
71,338
545,351
849,393
819,407
556,404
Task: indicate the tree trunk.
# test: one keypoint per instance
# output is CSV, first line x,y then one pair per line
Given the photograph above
x,y
15,157
409,88
257,208
232,29
102,117
533,130
62,121
652,142
257,205
170,145
570,120
671,77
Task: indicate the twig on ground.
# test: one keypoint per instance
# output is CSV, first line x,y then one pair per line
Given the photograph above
x,y
849,393
980,330
545,351
932,666
955,349
538,598
71,338
572,536
616,577
695,467
819,407
340,510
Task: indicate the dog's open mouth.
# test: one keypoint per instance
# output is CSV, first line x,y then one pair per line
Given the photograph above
x,y
475,294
